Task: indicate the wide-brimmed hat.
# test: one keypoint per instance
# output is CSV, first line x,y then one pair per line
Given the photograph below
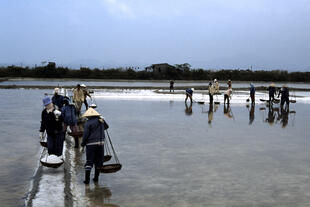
x,y
215,80
284,86
272,84
83,85
192,89
91,112
46,101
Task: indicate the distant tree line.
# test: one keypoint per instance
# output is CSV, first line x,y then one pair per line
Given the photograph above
x,y
179,72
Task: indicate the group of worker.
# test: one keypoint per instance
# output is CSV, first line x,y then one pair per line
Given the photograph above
x,y
59,113
214,89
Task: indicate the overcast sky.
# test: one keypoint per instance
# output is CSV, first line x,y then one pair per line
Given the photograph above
x,y
265,34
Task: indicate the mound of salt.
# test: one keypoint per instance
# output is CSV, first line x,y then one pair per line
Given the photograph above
x,y
52,159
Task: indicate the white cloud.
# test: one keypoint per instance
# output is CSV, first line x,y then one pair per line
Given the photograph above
x,y
119,8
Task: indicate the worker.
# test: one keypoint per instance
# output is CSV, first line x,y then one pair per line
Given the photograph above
x,y
78,99
171,85
189,94
211,92
93,139
69,116
57,99
272,91
252,93
86,93
216,87
227,95
284,91
51,122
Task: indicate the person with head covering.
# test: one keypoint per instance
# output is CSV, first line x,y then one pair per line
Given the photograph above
x,y
272,90
93,139
216,86
86,93
227,95
189,94
78,98
57,99
51,122
211,92
284,95
69,116
252,93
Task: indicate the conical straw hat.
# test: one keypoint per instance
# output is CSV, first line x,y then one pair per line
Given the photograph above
x,y
272,84
91,112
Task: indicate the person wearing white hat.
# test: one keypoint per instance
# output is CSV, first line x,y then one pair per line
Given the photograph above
x,y
86,93
216,86
93,139
189,94
58,99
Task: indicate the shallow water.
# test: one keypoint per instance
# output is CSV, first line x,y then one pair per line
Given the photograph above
x,y
172,155
140,83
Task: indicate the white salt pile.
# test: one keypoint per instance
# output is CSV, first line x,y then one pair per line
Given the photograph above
x,y
52,159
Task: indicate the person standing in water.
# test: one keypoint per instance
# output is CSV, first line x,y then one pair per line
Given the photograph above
x,y
51,122
93,139
252,93
216,87
228,93
171,85
69,116
189,94
284,96
272,90
211,92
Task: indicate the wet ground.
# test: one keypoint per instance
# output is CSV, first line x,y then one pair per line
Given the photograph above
x,y
172,155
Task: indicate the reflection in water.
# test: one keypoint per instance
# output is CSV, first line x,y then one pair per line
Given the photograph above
x,y
210,114
251,113
188,109
278,115
99,196
228,111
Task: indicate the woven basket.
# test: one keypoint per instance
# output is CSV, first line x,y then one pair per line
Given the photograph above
x,y
111,168
43,144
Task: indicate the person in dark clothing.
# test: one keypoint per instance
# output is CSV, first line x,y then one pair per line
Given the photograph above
x,y
171,85
68,113
189,94
57,99
252,93
93,139
51,122
272,91
284,96
211,92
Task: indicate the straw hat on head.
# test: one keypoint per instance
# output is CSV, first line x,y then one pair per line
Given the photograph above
x,y
91,112
83,85
272,84
193,89
284,86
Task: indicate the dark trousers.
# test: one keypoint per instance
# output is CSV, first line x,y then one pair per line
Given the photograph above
x,y
86,104
211,98
55,144
252,97
94,156
271,98
285,100
226,97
